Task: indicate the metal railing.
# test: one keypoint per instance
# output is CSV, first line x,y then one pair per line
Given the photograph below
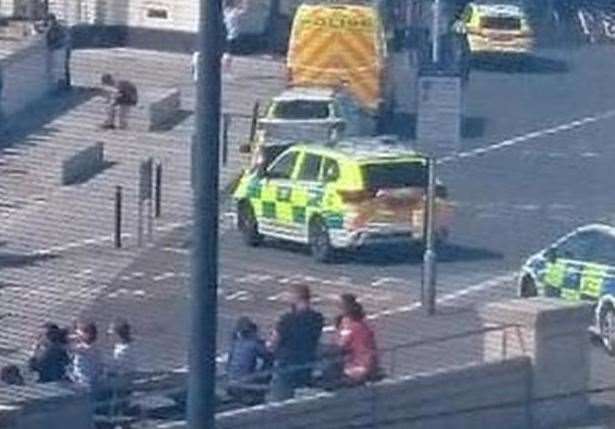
x,y
163,394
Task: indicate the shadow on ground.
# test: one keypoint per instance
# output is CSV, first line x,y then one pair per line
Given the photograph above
x,y
181,116
84,178
17,260
519,64
34,126
392,254
473,127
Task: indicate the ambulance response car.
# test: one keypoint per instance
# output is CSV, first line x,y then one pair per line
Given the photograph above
x,y
501,28
342,45
579,266
345,195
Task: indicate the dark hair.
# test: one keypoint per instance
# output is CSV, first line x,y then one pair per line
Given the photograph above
x,y
301,291
351,307
245,327
122,329
10,374
55,335
107,79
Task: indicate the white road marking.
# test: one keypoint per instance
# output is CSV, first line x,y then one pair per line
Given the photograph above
x,y
530,136
164,276
177,250
487,284
99,240
241,295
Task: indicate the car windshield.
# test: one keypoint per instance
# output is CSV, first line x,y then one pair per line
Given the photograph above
x,y
394,175
301,109
500,23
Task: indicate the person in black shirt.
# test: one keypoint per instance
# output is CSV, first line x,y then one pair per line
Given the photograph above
x,y
294,344
50,357
120,96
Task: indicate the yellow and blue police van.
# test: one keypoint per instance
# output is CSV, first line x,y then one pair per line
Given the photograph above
x,y
578,266
339,195
496,27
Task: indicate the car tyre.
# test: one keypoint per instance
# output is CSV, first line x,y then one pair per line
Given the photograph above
x,y
320,241
607,328
528,288
248,225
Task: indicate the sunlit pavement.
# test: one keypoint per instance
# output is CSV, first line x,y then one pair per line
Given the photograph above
x,y
535,161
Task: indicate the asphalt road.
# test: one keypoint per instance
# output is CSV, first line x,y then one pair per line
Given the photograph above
x,y
535,162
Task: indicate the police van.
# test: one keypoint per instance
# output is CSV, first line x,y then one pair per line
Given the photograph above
x,y
579,267
339,196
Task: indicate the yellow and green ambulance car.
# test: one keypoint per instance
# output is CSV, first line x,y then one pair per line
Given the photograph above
x,y
340,195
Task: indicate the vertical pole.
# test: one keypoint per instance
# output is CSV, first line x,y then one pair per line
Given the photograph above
x,y
118,217
429,259
254,121
158,190
225,127
139,222
203,316
435,32
150,219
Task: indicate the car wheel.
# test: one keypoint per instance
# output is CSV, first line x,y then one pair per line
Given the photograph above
x,y
248,225
607,328
320,242
528,287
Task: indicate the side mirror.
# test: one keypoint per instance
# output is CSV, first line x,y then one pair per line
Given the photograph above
x,y
551,254
245,148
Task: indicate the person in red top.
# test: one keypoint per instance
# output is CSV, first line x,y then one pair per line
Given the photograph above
x,y
357,342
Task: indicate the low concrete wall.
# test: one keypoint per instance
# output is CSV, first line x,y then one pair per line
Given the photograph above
x,y
157,109
163,108
82,165
491,395
48,406
553,334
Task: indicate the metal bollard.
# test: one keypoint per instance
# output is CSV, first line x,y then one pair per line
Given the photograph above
x,y
254,121
226,123
158,190
118,217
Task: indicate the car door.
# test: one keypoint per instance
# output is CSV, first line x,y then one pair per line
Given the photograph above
x,y
598,276
564,268
308,192
276,194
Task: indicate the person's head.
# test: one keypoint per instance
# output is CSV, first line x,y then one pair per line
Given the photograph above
x,y
245,327
300,296
122,331
47,328
10,374
350,307
51,18
87,332
54,334
107,79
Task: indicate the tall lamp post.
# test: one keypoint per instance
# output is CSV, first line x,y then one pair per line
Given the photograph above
x,y
435,32
206,164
